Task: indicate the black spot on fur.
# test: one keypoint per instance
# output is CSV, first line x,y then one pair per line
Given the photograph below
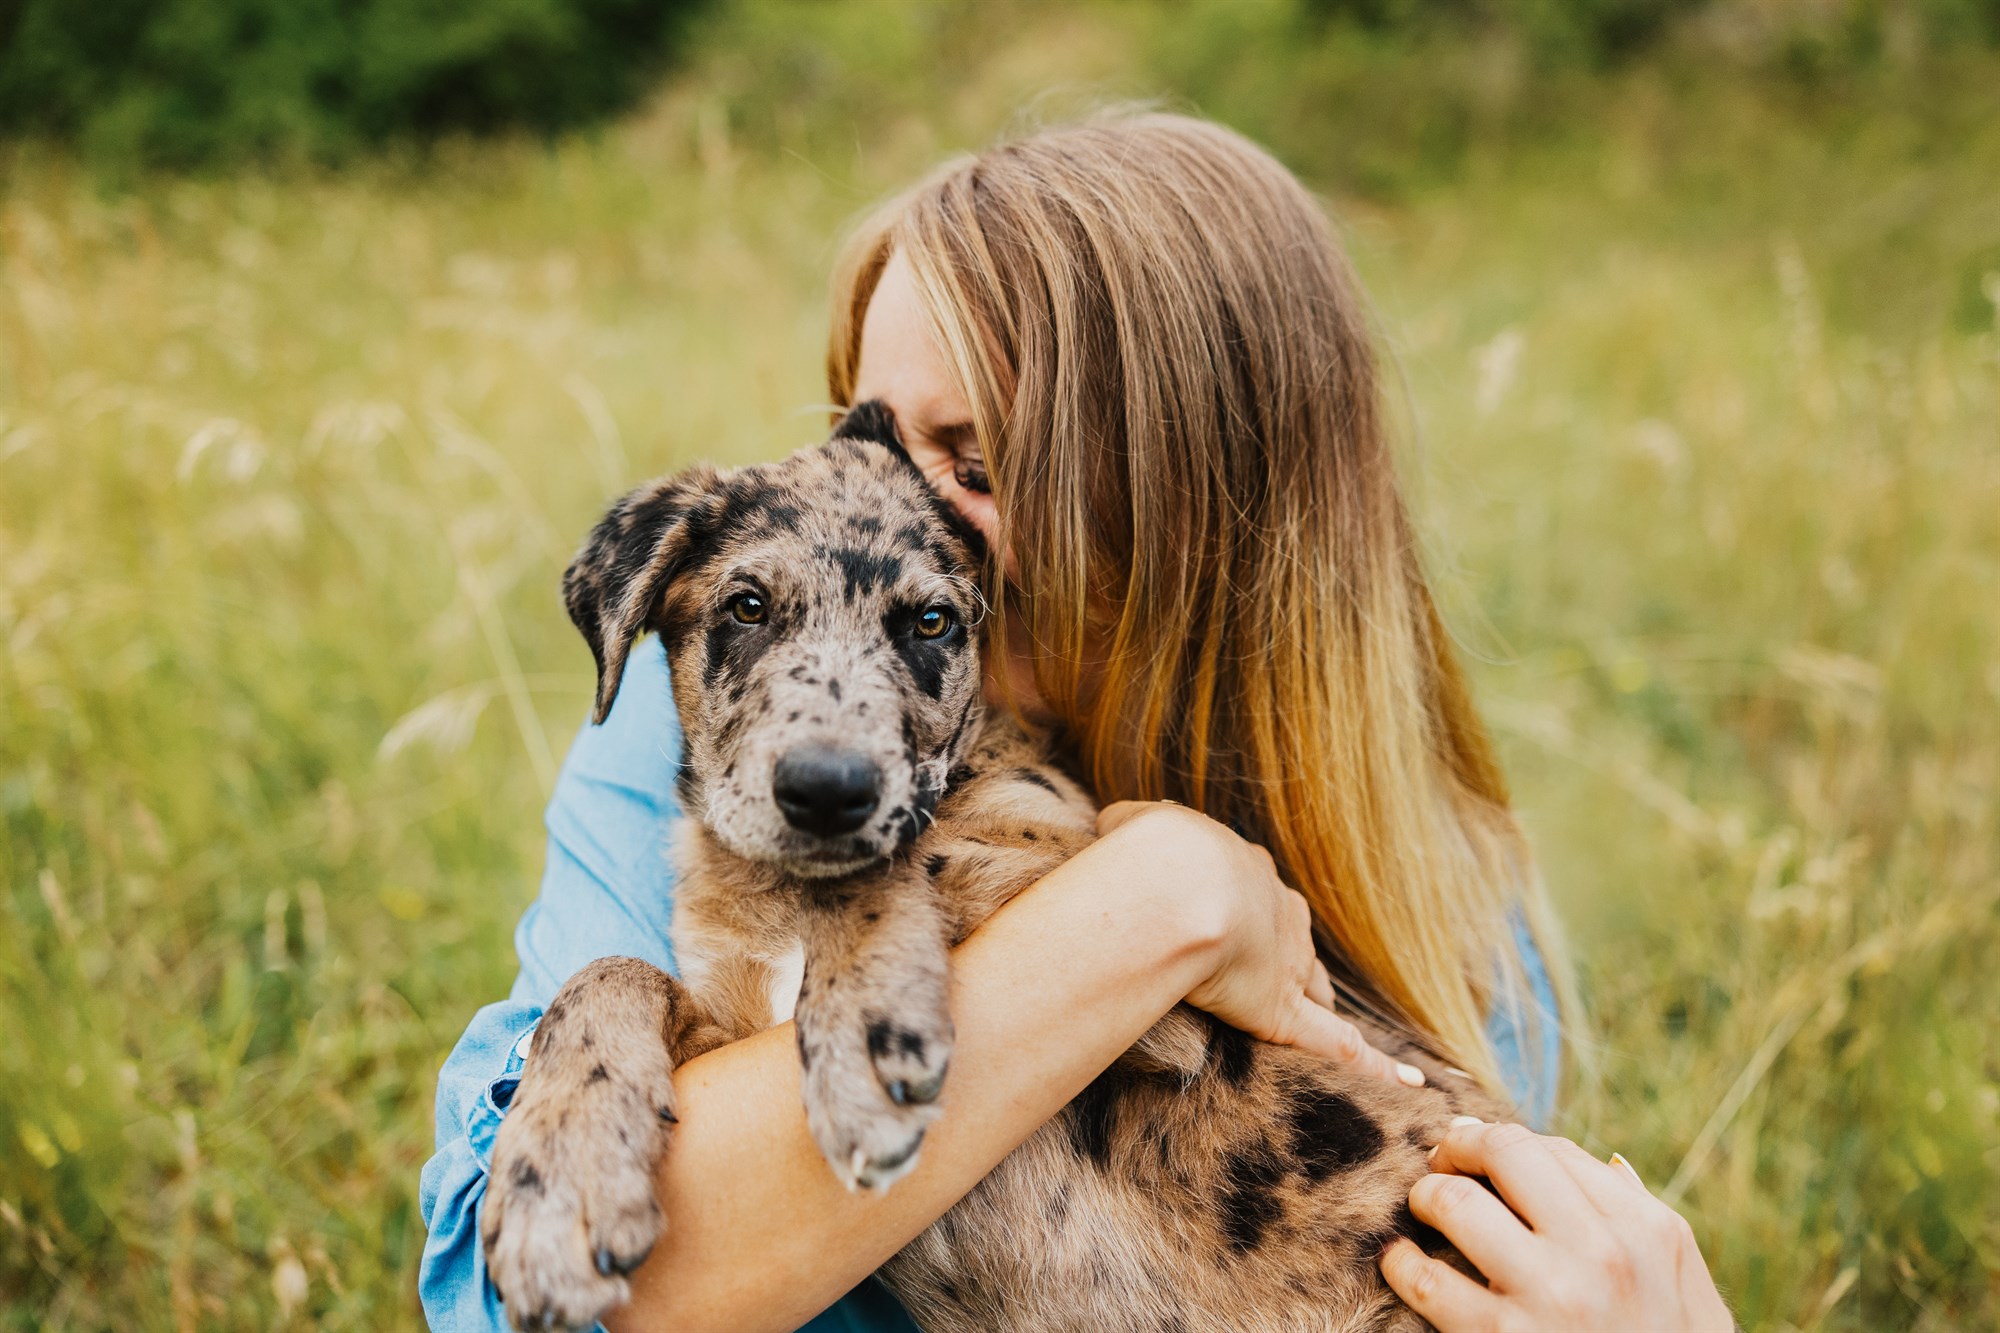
x,y
1330,1133
935,863
1416,1138
598,1073
1092,1115
1428,1238
1035,779
1249,1203
1232,1052
884,1037
526,1178
926,659
733,649
861,571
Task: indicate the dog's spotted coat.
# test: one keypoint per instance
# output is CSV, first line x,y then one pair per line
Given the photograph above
x,y
821,607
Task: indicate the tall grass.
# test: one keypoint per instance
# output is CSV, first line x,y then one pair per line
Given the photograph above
x,y
1704,379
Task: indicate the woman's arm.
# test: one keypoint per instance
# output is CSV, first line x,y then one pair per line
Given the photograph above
x,y
1045,996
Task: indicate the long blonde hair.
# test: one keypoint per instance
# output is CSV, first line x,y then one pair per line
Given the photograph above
x,y
1174,384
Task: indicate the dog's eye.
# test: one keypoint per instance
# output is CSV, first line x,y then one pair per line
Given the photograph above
x,y
748,608
934,622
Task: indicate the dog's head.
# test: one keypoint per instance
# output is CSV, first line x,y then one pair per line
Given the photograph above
x,y
820,617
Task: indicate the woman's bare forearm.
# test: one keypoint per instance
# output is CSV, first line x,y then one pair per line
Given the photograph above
x,y
1045,996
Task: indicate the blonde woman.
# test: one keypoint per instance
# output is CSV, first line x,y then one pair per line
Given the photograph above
x,y
1131,352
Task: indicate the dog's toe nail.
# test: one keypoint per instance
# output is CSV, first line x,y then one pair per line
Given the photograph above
x,y
606,1263
899,1093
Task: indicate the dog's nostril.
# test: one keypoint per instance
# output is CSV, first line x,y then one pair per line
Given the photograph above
x,y
822,790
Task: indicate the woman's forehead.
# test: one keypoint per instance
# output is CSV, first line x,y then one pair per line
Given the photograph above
x,y
901,362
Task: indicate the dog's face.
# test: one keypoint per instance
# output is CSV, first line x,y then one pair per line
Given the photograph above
x,y
820,617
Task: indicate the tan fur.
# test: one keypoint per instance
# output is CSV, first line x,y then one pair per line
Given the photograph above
x,y
1205,1181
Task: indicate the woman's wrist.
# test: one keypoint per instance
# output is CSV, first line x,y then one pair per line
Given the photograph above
x,y
1166,876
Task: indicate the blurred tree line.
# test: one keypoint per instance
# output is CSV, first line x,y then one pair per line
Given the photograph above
x,y
186,82
183,83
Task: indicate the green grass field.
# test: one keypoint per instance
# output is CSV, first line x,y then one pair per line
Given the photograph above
x,y
1703,379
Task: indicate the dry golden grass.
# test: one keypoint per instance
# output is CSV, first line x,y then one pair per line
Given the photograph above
x,y
1706,387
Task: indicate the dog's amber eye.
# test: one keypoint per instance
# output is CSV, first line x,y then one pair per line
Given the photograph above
x,y
933,623
748,608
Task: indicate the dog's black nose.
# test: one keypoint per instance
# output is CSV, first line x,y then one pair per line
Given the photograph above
x,y
826,791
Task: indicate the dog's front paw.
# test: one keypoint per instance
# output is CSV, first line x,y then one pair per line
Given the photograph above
x,y
871,1088
570,1206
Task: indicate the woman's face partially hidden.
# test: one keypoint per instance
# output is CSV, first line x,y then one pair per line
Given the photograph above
x,y
902,365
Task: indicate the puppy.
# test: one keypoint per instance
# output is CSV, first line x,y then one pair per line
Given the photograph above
x,y
850,814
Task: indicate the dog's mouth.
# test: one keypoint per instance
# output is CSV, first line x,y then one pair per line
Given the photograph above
x,y
818,857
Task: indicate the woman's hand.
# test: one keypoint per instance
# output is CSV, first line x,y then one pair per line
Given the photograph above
x,y
1576,1244
1267,979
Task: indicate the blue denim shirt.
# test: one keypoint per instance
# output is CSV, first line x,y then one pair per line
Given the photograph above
x,y
608,889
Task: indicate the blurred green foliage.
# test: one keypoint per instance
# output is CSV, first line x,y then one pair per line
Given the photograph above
x,y
184,82
1700,354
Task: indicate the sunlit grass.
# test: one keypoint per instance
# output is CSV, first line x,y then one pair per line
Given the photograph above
x,y
1706,398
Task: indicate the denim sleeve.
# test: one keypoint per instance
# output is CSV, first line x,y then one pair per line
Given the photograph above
x,y
607,889
1529,1044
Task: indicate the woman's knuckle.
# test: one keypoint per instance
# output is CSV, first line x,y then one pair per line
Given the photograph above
x,y
1572,1301
1620,1268
1446,1197
1672,1231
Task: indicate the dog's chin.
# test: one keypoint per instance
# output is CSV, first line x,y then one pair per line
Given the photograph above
x,y
805,858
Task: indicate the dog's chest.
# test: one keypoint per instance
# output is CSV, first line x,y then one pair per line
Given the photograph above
x,y
787,973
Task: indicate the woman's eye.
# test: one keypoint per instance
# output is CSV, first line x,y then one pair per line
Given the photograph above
x,y
933,623
972,476
748,608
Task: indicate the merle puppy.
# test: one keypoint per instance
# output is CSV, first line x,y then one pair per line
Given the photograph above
x,y
851,813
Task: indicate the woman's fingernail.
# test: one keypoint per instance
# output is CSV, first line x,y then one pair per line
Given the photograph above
x,y
1618,1159
1458,1120
1411,1075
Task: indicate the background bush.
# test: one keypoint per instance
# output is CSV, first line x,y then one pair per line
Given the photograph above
x,y
1701,388
179,82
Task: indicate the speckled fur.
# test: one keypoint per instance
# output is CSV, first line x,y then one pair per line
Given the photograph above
x,y
1206,1181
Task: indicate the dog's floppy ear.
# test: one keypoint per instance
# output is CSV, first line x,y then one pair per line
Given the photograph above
x,y
613,587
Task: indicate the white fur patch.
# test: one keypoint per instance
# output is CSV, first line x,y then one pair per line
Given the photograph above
x,y
787,972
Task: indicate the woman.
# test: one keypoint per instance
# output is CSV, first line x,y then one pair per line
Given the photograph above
x,y
1131,353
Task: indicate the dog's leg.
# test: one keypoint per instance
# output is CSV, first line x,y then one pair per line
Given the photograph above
x,y
569,1207
874,1022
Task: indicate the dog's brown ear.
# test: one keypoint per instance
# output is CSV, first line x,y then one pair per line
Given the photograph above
x,y
614,585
